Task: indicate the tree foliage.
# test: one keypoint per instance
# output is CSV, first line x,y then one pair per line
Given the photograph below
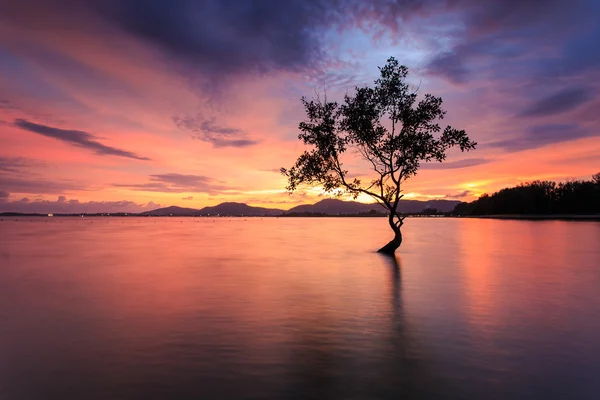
x,y
387,124
539,197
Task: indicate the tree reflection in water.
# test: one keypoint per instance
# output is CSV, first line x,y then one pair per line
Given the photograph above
x,y
326,361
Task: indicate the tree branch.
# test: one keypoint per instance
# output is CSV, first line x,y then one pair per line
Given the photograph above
x,y
351,188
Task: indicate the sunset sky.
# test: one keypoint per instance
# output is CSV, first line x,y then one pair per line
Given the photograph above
x,y
125,105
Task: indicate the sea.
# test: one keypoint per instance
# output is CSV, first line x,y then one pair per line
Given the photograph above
x,y
298,308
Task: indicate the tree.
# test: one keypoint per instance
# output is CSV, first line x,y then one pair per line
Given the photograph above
x,y
539,197
388,127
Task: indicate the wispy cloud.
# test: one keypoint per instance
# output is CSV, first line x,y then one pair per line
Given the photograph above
x,y
232,143
74,206
460,195
560,102
27,184
177,183
76,138
274,170
542,135
510,39
7,105
208,130
17,164
466,163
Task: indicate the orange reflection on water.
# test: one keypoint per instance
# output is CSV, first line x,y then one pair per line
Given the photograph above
x,y
193,307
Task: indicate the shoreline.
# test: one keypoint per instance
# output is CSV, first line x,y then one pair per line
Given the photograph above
x,y
527,217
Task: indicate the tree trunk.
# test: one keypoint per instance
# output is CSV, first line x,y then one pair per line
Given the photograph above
x,y
391,247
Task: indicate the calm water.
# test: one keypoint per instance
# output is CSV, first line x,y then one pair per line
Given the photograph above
x,y
168,308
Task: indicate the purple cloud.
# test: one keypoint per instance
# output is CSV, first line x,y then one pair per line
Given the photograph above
x,y
510,36
220,38
7,105
177,183
542,135
460,195
17,164
207,130
559,102
74,206
76,138
518,50
466,163
21,183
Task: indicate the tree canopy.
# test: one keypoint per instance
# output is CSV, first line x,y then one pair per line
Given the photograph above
x,y
387,125
539,197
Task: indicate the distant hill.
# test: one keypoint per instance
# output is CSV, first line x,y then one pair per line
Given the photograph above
x,y
325,207
336,207
229,208
173,210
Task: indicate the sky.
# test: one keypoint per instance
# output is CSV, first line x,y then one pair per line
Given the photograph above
x,y
129,105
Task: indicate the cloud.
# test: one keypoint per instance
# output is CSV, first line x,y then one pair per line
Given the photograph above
x,y
450,65
517,44
589,158
188,198
7,105
74,206
560,102
10,108
207,130
4,195
177,183
16,164
509,37
466,163
76,138
542,135
460,195
274,170
26,184
221,38
224,37
232,143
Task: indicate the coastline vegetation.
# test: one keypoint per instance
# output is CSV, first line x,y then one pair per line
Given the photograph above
x,y
542,198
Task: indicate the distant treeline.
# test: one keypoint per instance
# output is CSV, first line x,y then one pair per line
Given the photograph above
x,y
539,197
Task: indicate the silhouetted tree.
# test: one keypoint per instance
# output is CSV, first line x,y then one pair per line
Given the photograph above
x,y
539,197
388,127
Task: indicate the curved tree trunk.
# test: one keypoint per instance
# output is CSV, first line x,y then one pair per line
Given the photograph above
x,y
391,247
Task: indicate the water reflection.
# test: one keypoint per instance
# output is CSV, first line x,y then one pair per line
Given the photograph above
x,y
383,360
299,308
407,372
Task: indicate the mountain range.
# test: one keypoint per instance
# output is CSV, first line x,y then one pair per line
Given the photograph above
x,y
229,208
327,207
